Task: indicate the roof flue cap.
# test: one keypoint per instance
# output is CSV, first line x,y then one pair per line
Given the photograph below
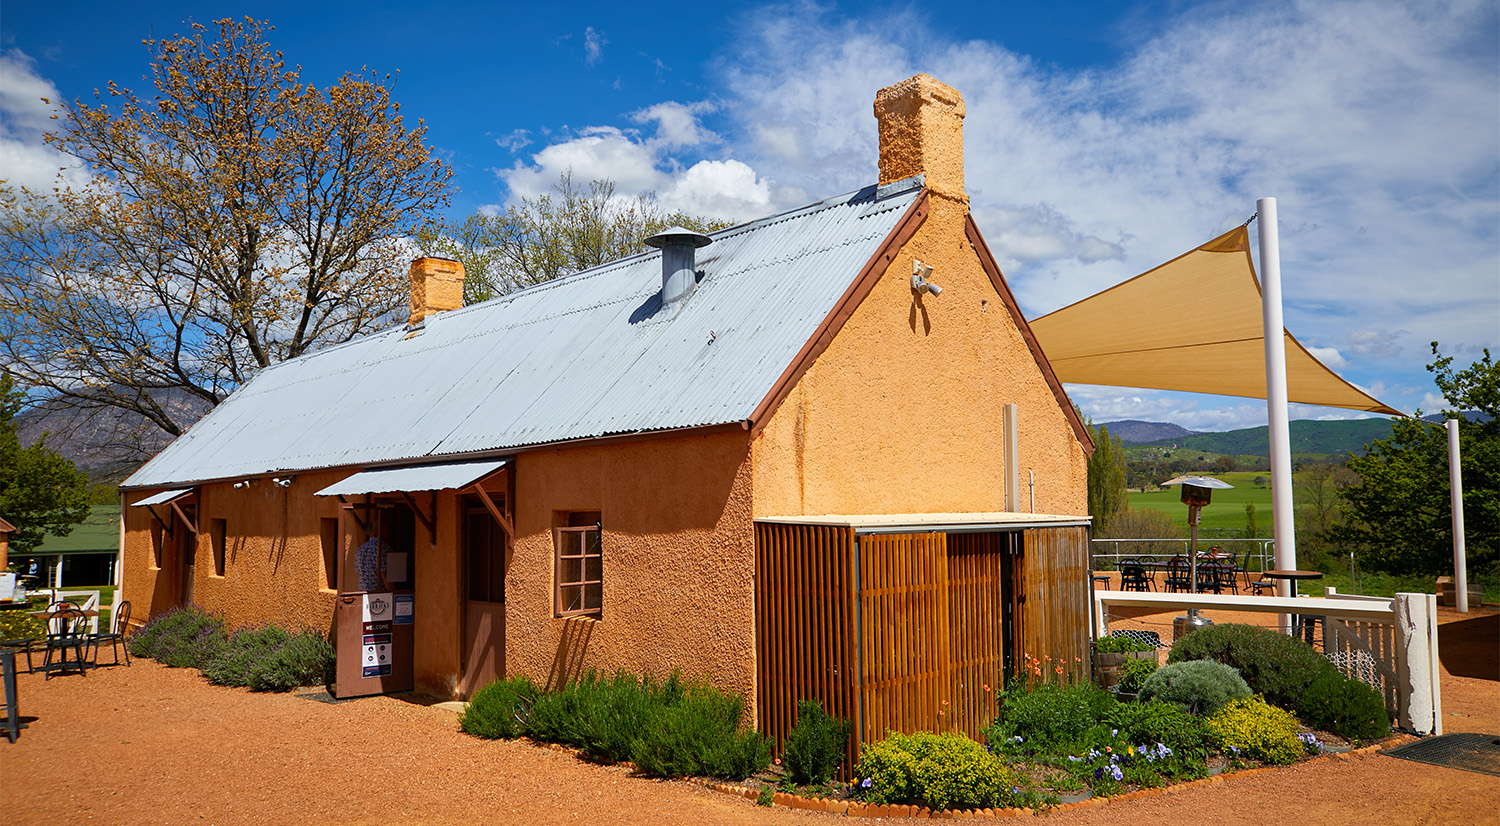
x,y
679,266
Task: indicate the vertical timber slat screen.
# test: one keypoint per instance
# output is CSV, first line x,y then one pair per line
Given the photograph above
x,y
904,610
903,631
804,628
1055,601
975,617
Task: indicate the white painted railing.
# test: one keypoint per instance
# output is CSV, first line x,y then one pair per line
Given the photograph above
x,y
1398,635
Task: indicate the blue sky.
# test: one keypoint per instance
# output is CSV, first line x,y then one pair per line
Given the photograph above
x,y
1101,139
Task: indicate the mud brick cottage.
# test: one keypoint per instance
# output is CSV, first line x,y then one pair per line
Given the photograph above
x,y
817,455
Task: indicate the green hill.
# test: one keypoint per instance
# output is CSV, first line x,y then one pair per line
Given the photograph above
x,y
1348,436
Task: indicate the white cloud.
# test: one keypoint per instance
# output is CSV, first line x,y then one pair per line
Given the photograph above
x,y
678,125
593,46
653,160
727,190
1328,355
1372,123
25,116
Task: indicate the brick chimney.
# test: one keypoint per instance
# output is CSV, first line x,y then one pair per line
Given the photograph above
x,y
922,133
437,284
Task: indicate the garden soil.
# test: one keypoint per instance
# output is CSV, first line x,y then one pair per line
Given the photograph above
x,y
152,745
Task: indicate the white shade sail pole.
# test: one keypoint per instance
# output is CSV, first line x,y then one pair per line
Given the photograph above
x,y
1456,488
1282,512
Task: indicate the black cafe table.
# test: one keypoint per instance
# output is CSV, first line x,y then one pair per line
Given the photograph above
x,y
1299,623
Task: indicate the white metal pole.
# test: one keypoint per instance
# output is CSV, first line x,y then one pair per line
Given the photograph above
x,y
1456,494
1282,514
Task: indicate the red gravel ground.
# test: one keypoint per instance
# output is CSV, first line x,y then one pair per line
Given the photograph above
x,y
149,745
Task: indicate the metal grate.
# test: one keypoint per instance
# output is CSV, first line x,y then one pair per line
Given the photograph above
x,y
1467,752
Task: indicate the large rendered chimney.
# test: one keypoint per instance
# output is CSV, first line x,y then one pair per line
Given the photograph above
x,y
679,266
437,284
922,133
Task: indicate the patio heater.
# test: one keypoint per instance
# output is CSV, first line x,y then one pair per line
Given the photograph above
x,y
1197,492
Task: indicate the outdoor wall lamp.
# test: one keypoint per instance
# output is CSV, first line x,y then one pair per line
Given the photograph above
x,y
282,482
242,485
919,274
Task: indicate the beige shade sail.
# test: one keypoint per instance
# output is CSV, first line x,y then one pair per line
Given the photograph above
x,y
1192,324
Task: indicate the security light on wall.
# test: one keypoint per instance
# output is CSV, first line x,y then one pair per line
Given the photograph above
x,y
919,274
242,485
282,482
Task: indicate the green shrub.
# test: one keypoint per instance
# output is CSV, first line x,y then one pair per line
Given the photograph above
x,y
939,771
1344,706
183,637
612,712
1274,665
306,658
20,625
499,710
245,648
700,735
1135,673
1119,645
1200,687
1150,723
1257,730
1048,715
815,746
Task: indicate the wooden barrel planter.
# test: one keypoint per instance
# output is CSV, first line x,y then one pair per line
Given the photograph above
x,y
1108,667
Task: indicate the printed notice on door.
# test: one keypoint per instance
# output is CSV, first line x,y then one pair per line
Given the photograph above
x,y
376,658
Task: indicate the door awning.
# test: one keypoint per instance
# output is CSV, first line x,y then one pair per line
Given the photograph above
x,y
447,476
1192,324
162,498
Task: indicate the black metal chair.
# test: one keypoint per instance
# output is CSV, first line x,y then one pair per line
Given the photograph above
x,y
120,623
1224,577
1133,576
1179,575
65,632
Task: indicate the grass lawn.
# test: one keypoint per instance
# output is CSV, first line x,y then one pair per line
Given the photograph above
x,y
1228,509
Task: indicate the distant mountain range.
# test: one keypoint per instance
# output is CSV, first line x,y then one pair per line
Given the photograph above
x,y
1343,436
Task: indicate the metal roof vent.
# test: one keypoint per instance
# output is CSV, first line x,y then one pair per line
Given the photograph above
x,y
679,268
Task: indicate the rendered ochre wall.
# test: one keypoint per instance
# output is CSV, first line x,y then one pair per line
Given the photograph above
x,y
902,412
273,554
678,561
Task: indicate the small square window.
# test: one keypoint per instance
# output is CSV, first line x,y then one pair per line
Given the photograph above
x,y
579,574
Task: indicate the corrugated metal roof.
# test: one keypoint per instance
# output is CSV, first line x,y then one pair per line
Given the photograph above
x,y
442,476
591,354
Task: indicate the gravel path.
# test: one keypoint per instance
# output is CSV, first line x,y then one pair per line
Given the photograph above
x,y
149,745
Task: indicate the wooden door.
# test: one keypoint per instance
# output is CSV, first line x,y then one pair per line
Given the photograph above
x,y
484,550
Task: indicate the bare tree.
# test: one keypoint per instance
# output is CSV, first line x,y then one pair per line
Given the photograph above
x,y
569,229
236,218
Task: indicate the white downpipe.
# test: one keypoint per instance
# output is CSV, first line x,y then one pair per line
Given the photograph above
x,y
1456,494
1282,514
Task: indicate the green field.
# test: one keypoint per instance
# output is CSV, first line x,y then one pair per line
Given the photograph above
x,y
1227,513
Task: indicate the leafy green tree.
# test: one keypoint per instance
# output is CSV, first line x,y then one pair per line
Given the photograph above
x,y
234,216
1252,526
1106,477
40,491
1397,515
569,229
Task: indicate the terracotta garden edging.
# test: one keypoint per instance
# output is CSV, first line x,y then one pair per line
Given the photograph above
x,y
857,809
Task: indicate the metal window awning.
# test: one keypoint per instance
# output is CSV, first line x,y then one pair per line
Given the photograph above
x,y
162,498
447,476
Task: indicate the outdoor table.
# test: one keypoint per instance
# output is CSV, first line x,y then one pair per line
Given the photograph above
x,y
1294,577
